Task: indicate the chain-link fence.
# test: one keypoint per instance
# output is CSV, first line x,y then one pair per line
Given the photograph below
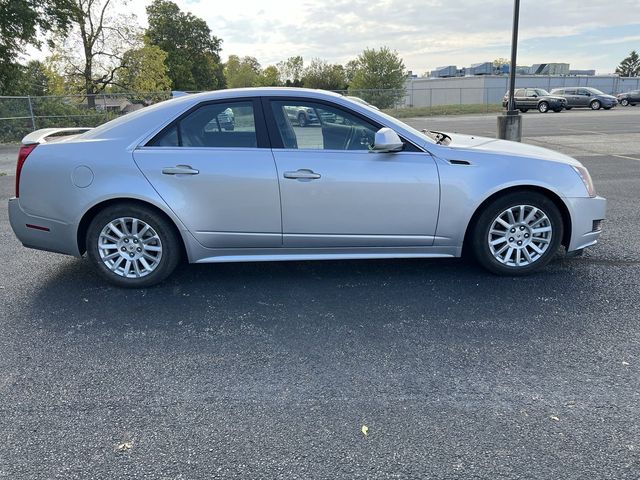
x,y
21,115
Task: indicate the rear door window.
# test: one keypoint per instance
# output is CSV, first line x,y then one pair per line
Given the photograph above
x,y
212,125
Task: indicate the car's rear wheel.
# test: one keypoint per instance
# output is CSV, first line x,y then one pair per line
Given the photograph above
x,y
624,102
595,105
132,246
524,110
302,120
543,107
557,110
568,108
517,234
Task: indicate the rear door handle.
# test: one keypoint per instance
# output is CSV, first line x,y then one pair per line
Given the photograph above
x,y
180,170
302,174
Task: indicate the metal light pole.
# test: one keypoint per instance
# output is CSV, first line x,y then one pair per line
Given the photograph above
x,y
510,124
514,53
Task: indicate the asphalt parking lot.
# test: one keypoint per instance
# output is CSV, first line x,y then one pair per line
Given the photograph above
x,y
269,370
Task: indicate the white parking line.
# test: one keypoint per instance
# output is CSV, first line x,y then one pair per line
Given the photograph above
x,y
628,158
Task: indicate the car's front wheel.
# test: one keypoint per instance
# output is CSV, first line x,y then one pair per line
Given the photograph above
x,y
595,105
132,246
517,234
624,102
543,107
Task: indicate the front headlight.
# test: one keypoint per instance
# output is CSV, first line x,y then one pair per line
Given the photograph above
x,y
586,179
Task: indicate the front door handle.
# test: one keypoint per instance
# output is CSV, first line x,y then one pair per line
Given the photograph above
x,y
180,170
302,174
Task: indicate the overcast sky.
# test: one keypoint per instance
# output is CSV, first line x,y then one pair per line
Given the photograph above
x,y
427,34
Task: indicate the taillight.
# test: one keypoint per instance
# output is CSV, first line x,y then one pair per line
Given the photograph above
x,y
24,152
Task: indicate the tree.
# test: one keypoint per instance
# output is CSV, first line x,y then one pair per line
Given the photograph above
x,y
242,72
630,66
270,77
20,21
498,62
321,74
193,53
92,51
144,70
378,77
291,71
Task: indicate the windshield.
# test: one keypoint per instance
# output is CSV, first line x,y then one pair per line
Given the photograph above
x,y
541,92
595,91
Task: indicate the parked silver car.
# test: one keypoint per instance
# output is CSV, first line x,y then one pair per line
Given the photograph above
x,y
140,192
586,98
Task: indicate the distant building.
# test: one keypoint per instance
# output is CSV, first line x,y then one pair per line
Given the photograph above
x,y
550,69
485,68
445,72
576,73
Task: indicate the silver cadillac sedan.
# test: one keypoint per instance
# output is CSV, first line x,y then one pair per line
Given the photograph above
x,y
170,181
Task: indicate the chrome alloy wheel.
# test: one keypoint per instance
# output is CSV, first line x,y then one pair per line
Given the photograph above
x,y
520,235
129,247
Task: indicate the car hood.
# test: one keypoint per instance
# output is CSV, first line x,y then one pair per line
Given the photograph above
x,y
504,147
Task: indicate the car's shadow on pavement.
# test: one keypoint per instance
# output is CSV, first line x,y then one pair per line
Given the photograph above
x,y
443,296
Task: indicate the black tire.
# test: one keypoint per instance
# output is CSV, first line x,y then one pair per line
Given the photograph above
x,y
607,108
302,120
568,108
480,232
543,107
557,110
524,110
595,105
171,244
624,102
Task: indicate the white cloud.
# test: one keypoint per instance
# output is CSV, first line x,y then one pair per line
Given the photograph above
x,y
426,33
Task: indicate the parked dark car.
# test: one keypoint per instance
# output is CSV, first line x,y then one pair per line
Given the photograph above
x,y
586,97
538,98
629,98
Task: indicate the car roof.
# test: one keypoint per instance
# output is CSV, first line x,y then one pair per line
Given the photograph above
x,y
133,128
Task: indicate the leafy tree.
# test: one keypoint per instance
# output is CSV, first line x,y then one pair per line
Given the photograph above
x,y
92,51
193,53
321,74
242,72
144,70
270,77
20,21
37,79
378,77
291,71
630,66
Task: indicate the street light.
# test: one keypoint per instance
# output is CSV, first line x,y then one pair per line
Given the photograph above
x,y
510,124
514,53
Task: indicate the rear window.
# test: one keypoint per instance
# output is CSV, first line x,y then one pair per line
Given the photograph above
x,y
214,125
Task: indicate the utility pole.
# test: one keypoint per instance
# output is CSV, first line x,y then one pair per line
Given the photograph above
x,y
510,124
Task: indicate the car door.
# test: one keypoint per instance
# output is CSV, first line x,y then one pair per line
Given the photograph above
x,y
336,193
520,98
583,98
532,98
214,168
570,95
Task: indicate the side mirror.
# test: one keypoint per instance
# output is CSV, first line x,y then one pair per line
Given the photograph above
x,y
534,95
386,141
